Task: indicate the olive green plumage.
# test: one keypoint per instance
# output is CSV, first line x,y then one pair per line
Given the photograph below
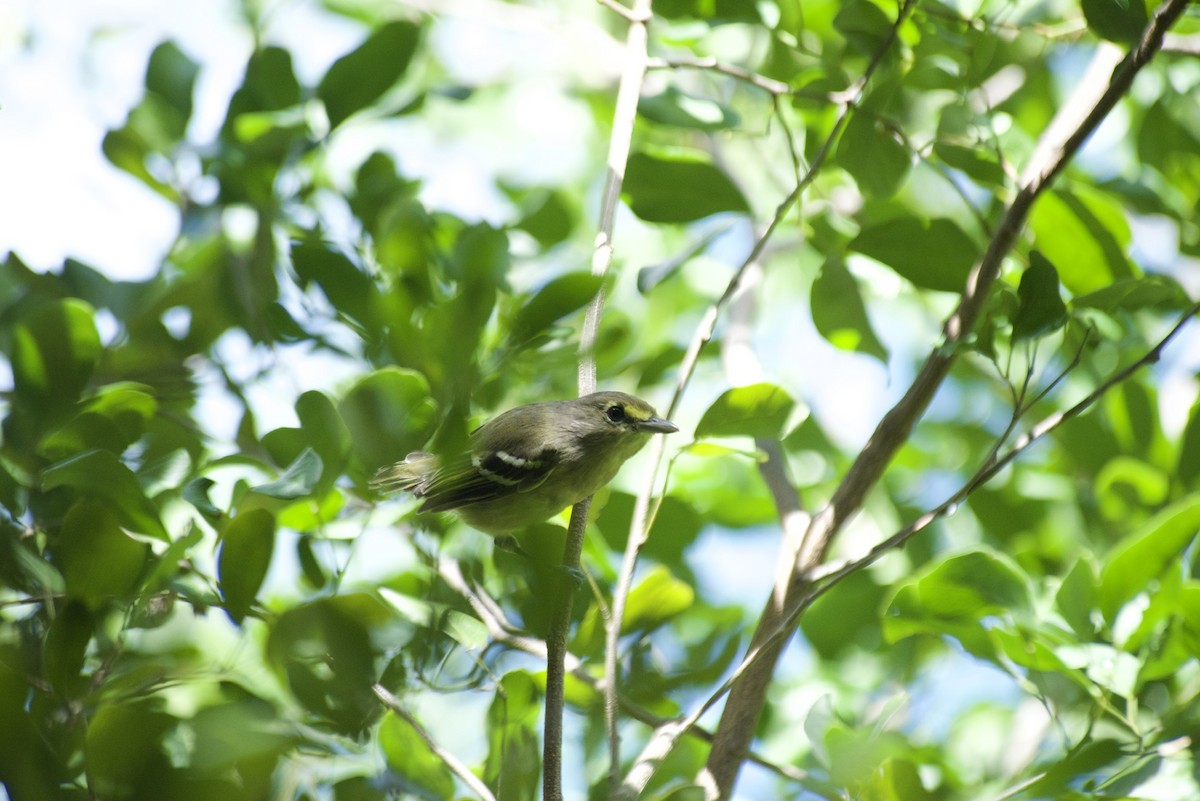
x,y
530,462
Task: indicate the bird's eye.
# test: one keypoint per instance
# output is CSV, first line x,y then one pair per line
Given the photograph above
x,y
615,414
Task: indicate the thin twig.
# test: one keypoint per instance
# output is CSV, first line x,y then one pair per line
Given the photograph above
x,y
452,762
620,141
769,85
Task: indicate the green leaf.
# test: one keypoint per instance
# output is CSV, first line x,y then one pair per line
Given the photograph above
x,y
124,747
549,221
863,24
196,492
1084,234
409,756
55,347
655,600
99,561
934,254
873,156
1136,294
100,474
325,432
298,481
360,77
1144,555
389,414
171,75
513,763
328,651
563,295
1076,598
1040,308
268,85
247,544
678,186
673,107
1188,467
759,410
953,595
1119,21
349,289
65,649
838,311
981,164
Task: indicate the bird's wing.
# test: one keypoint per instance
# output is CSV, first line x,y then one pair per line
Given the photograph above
x,y
484,477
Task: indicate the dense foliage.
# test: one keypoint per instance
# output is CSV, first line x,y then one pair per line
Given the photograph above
x,y
199,596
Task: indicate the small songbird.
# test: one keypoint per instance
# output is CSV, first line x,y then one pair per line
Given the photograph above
x,y
531,462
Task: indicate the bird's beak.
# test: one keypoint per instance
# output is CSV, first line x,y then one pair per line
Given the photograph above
x,y
657,425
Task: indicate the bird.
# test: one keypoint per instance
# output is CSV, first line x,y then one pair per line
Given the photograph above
x,y
530,462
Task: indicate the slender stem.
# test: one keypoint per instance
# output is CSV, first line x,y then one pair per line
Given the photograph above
x,y
620,142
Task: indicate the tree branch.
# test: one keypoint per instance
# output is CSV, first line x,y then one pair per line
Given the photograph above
x,y
742,710
620,141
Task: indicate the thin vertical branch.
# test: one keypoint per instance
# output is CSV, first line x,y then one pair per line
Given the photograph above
x,y
632,76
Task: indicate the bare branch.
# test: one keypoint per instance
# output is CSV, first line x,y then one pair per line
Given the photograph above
x,y
620,141
770,85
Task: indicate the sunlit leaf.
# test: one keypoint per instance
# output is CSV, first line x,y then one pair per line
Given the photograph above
x,y
760,411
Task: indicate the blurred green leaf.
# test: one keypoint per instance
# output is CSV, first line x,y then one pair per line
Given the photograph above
x,y
838,311
513,763
655,600
419,770
1119,21
980,164
1084,233
99,474
349,289
933,254
99,561
55,348
171,75
326,650
247,544
1135,294
124,747
1188,466
565,294
678,186
1076,598
873,156
65,649
863,24
673,107
550,220
954,594
759,410
1145,554
359,78
1041,308
195,492
297,481
389,414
